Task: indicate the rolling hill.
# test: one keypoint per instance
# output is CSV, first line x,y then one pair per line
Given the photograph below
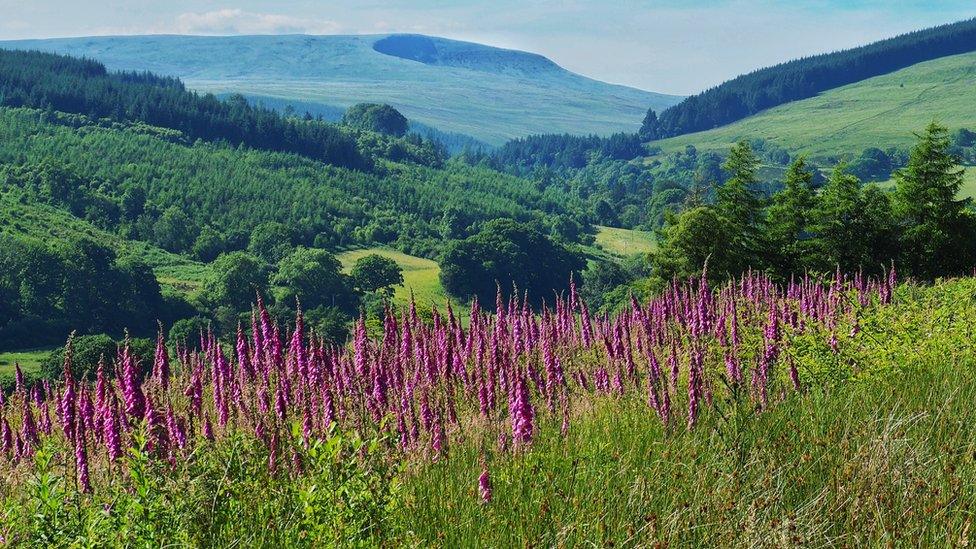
x,y
803,78
488,93
881,112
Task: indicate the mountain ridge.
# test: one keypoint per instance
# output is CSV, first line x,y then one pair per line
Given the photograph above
x,y
458,95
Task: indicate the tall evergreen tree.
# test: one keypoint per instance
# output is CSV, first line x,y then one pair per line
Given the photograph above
x,y
838,225
937,228
852,226
740,204
787,234
650,128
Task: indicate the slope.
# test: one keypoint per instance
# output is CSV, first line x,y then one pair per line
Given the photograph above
x,y
488,93
803,78
20,216
879,112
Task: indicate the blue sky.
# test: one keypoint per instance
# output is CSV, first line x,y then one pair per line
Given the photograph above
x,y
668,46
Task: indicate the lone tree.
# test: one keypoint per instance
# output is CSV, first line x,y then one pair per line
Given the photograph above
x,y
375,273
315,277
936,225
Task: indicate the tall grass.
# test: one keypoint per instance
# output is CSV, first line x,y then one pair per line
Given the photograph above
x,y
823,413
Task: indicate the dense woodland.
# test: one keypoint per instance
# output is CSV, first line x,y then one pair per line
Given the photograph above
x,y
57,82
806,77
262,221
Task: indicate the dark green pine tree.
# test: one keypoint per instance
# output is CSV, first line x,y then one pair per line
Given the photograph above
x,y
741,205
787,218
936,227
650,128
839,224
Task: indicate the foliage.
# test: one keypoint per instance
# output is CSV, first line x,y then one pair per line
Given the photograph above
x,y
235,278
345,496
234,191
376,118
788,218
50,289
507,256
88,351
187,331
375,273
853,226
846,225
938,231
599,279
697,236
314,277
270,241
174,231
82,86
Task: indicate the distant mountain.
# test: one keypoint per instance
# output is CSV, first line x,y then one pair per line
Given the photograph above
x,y
455,142
800,79
488,93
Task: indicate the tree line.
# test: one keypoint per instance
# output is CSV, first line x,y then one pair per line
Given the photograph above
x,y
82,86
922,226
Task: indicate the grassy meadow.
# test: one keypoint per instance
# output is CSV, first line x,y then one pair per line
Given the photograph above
x,y
29,360
844,121
420,276
624,242
876,447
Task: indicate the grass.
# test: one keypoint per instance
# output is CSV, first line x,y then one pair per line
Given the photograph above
x,y
420,276
878,112
30,363
887,458
624,242
29,360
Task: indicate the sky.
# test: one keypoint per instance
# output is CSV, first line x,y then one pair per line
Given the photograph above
x,y
675,46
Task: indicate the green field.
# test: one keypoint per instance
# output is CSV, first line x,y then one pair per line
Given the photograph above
x,y
624,242
878,112
29,360
420,276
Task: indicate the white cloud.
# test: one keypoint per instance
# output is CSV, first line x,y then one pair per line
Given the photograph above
x,y
236,21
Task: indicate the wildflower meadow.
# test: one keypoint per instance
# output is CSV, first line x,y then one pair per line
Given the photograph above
x,y
751,413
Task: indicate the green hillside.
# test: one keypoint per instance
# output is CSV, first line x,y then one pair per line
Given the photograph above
x,y
488,93
24,218
878,112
